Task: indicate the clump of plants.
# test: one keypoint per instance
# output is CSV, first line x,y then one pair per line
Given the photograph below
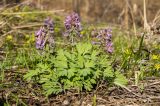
x,y
79,69
79,66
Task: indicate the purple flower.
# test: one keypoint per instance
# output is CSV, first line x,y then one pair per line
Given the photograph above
x,y
109,47
108,33
39,42
72,22
68,26
44,33
39,32
104,36
49,24
68,22
109,44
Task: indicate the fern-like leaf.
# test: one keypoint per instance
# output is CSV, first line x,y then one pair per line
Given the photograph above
x,y
120,79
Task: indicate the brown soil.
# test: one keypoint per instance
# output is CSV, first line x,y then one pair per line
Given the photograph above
x,y
102,95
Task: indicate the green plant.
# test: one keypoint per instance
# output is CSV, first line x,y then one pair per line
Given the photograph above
x,y
94,100
79,68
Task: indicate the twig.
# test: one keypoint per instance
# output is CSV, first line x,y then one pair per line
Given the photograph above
x,y
131,91
157,16
7,33
158,82
2,24
102,99
154,97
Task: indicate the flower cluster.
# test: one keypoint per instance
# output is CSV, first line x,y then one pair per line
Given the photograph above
x,y
109,44
104,37
72,23
44,33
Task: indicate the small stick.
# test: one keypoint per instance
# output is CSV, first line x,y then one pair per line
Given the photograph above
x,y
152,84
131,91
7,33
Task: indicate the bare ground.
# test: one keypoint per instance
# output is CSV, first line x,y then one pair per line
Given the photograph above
x,y
146,95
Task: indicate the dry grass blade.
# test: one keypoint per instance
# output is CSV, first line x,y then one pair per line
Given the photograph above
x,y
157,18
26,26
36,12
155,83
146,26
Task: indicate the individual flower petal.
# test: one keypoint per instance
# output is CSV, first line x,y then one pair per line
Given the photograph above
x,y
39,32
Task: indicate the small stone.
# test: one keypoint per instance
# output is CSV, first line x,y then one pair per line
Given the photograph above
x,y
65,103
101,105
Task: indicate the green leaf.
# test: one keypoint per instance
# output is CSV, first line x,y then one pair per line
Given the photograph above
x,y
50,91
43,66
108,72
31,74
54,90
73,65
93,81
83,48
140,45
89,64
80,61
103,62
85,72
61,64
51,87
87,48
43,80
120,79
68,55
97,74
78,84
68,84
80,48
63,72
71,72
61,60
61,55
94,54
87,85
